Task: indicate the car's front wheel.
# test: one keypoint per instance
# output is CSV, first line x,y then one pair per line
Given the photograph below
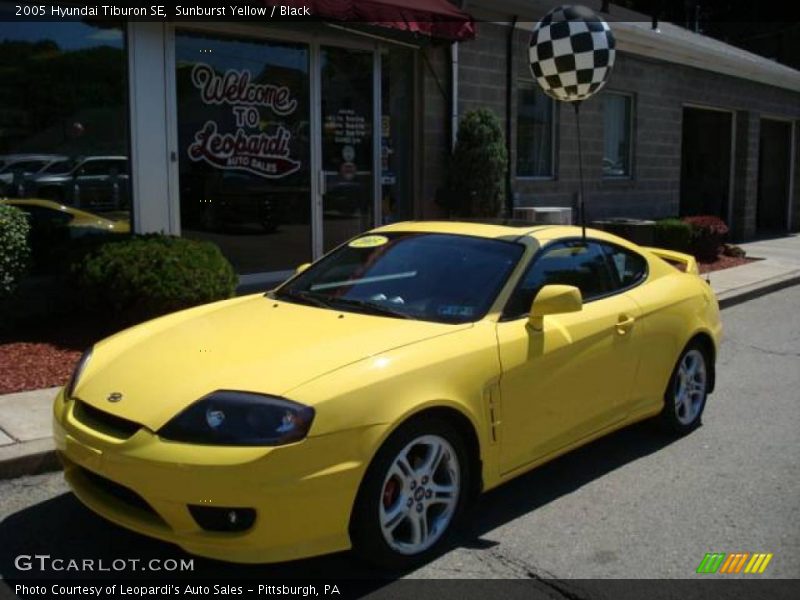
x,y
413,492
685,398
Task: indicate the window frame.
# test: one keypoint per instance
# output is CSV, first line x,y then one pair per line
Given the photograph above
x,y
549,245
553,136
630,96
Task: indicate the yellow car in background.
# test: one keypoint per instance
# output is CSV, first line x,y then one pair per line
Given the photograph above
x,y
367,400
49,214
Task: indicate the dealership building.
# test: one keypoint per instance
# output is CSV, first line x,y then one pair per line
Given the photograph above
x,y
279,140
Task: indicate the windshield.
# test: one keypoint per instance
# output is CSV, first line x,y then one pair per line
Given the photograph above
x,y
428,276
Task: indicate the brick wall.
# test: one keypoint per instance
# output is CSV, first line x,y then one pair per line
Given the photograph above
x,y
660,90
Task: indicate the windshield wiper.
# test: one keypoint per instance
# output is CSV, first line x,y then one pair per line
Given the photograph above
x,y
369,307
303,297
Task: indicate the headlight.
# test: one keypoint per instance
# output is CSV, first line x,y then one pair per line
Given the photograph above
x,y
229,418
69,389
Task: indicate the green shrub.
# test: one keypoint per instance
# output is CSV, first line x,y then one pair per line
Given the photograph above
x,y
14,250
673,234
478,166
150,275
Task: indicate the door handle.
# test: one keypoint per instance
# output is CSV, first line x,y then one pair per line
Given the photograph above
x,y
624,324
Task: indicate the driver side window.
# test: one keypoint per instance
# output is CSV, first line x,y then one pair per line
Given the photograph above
x,y
576,263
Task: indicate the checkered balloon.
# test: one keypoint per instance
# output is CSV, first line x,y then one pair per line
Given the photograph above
x,y
571,53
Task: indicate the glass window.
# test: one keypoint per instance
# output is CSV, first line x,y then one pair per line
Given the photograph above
x,y
576,263
397,133
63,99
617,111
346,95
25,166
244,151
534,131
59,166
432,277
627,268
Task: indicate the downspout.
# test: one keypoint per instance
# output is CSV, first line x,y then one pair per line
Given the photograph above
x,y
509,103
462,4
453,95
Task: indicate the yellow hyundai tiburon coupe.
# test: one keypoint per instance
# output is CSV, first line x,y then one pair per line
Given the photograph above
x,y
368,399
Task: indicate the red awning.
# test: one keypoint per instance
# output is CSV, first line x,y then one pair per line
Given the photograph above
x,y
434,18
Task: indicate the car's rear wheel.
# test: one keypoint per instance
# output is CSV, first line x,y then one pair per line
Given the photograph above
x,y
686,394
412,494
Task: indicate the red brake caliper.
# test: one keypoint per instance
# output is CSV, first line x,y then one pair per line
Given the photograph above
x,y
390,493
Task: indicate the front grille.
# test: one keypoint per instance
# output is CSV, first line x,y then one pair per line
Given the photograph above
x,y
104,422
118,491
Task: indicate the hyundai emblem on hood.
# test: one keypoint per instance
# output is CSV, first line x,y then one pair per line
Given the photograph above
x,y
114,397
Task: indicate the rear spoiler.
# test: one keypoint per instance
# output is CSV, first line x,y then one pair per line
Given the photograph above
x,y
685,262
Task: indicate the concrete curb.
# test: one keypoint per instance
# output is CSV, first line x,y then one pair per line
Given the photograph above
x,y
28,458
39,456
750,292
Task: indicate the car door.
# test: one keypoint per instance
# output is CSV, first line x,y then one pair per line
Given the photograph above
x,y
571,379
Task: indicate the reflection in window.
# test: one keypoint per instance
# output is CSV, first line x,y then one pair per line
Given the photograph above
x,y
616,135
397,131
577,263
63,107
534,131
243,129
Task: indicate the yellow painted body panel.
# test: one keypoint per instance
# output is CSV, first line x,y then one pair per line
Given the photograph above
x,y
80,218
529,396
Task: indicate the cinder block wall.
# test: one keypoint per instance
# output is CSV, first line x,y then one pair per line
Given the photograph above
x,y
660,91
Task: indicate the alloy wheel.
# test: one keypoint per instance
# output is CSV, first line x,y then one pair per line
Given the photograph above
x,y
690,387
420,494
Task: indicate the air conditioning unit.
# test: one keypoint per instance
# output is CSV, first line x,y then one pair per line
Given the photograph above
x,y
544,215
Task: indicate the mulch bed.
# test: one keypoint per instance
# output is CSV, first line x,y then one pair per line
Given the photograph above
x,y
723,262
43,355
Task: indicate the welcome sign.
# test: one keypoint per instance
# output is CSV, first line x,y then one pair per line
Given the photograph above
x,y
248,148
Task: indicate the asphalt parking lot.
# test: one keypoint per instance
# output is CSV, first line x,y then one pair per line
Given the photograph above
x,y
637,504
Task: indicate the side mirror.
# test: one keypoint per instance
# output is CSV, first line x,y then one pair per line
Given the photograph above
x,y
554,300
301,268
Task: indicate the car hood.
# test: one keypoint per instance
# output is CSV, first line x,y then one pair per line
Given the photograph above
x,y
252,344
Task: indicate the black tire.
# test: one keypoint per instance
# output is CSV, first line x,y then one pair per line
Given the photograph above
x,y
676,417
366,533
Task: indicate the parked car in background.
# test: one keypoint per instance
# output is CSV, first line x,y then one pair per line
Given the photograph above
x,y
47,214
98,183
55,227
16,169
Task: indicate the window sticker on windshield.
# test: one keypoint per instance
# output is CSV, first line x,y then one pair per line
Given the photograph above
x,y
369,241
455,310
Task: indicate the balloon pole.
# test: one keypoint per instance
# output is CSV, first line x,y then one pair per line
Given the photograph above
x,y
581,209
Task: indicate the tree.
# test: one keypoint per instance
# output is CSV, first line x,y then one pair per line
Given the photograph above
x,y
478,166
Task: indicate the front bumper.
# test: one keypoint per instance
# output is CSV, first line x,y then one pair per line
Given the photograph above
x,y
303,493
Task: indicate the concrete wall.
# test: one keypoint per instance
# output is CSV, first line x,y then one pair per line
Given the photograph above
x,y
660,91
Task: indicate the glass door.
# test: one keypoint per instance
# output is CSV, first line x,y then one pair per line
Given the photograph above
x,y
347,121
244,133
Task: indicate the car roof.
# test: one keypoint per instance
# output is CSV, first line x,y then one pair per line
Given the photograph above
x,y
88,158
486,230
512,231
